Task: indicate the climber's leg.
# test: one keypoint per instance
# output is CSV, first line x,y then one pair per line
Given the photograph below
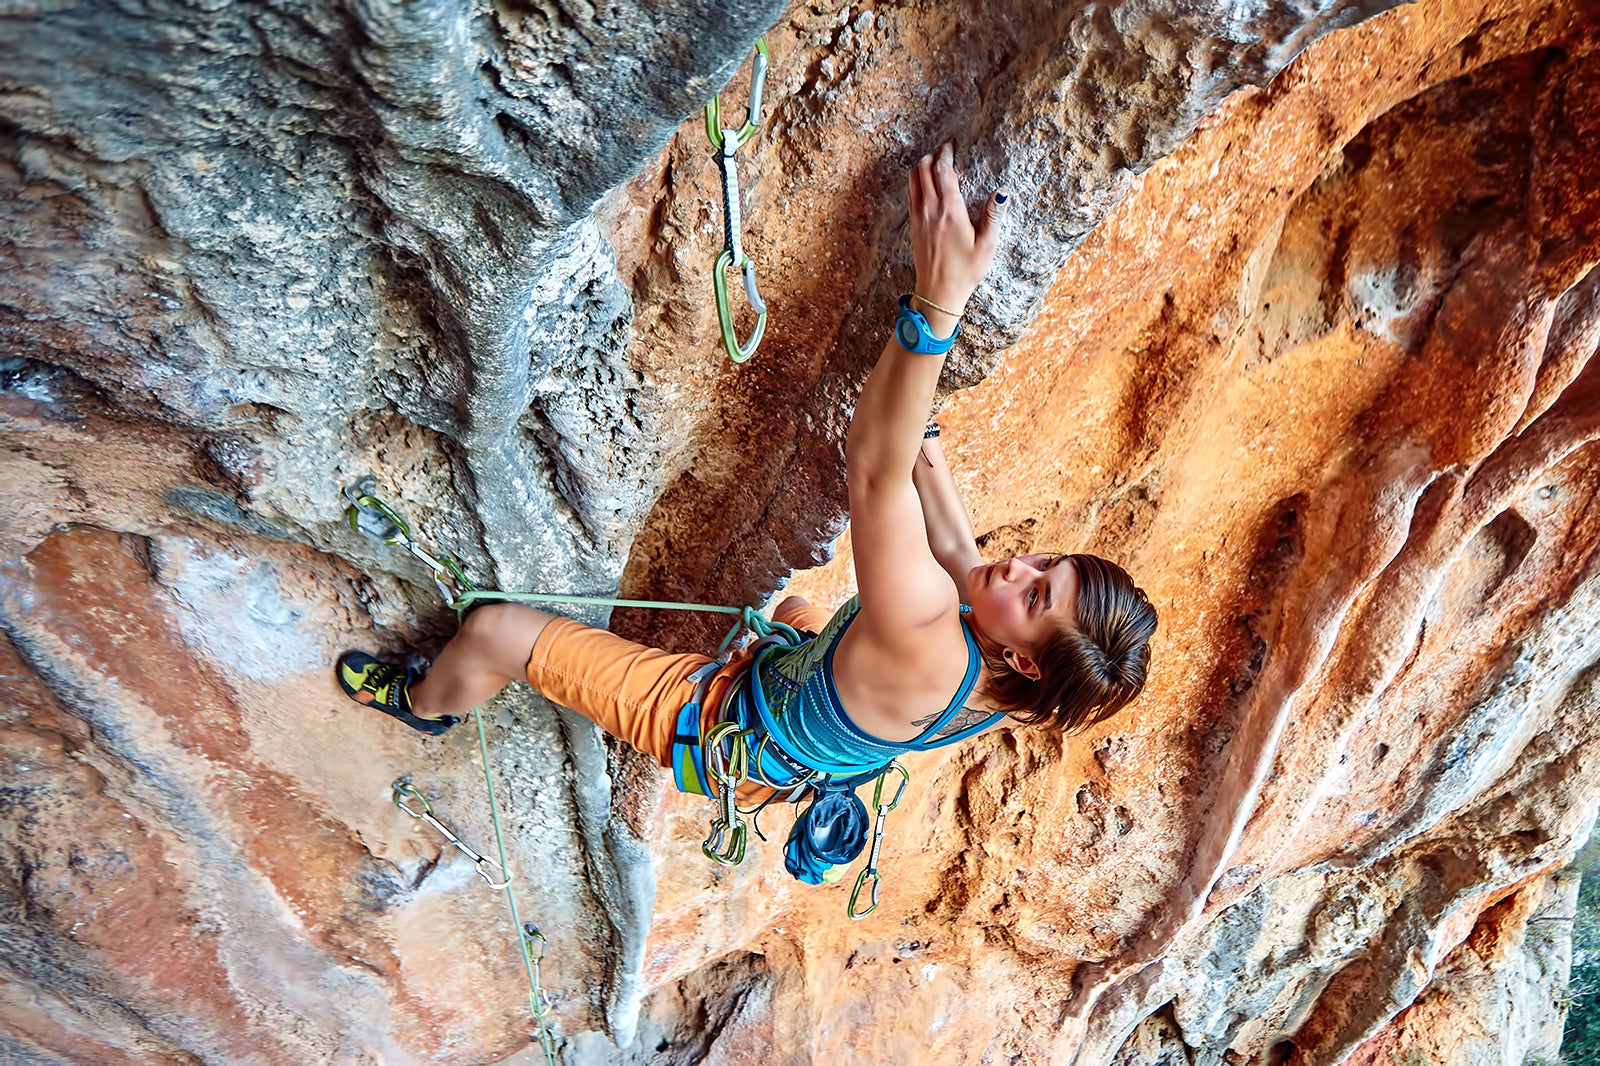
x,y
487,652
631,691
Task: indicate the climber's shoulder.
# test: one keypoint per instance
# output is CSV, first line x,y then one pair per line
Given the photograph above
x,y
894,657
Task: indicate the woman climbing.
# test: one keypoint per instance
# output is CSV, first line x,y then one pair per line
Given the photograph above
x,y
936,646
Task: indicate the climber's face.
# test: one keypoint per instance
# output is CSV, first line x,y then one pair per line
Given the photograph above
x,y
1020,601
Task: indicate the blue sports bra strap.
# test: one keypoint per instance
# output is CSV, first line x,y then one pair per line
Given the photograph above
x,y
968,683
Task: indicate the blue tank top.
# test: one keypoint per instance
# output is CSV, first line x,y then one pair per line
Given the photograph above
x,y
790,700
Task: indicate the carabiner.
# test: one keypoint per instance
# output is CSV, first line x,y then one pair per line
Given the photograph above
x,y
730,339
758,80
854,896
382,522
877,789
726,842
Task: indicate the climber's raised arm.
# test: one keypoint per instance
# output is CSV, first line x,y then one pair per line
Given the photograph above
x,y
902,585
948,525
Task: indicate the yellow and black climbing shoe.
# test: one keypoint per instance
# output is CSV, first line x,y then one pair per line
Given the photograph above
x,y
385,687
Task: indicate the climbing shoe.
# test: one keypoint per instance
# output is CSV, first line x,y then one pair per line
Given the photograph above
x,y
386,687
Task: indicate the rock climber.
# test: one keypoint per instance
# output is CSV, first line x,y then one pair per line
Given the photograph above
x,y
935,647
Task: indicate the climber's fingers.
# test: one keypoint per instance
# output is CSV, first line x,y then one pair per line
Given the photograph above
x,y
923,175
944,170
992,222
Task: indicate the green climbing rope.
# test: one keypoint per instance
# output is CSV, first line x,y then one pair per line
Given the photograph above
x,y
385,523
538,1002
749,617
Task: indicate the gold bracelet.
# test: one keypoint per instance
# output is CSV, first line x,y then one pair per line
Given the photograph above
x,y
936,307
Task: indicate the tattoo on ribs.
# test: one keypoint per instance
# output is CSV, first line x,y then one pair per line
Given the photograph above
x,y
964,718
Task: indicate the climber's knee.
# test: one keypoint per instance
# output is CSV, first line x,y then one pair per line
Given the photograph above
x,y
501,635
790,610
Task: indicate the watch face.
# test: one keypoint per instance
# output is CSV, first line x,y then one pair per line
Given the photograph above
x,y
907,333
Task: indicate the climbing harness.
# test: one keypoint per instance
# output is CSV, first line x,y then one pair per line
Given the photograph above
x,y
404,790
828,835
733,256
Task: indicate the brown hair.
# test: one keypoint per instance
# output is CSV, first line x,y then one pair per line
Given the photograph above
x,y
1089,671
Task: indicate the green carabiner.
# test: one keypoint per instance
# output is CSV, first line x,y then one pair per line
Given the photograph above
x,y
726,842
371,505
758,79
725,845
730,339
877,788
856,915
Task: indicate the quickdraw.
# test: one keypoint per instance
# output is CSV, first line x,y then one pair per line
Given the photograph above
x,y
370,515
538,1001
733,256
404,790
725,844
870,873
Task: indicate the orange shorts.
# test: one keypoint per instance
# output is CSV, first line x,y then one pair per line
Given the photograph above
x,y
632,691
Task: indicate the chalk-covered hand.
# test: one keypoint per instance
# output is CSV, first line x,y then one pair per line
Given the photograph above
x,y
950,253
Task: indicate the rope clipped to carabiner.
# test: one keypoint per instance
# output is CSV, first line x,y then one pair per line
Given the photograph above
x,y
370,515
404,790
539,1001
733,256
870,873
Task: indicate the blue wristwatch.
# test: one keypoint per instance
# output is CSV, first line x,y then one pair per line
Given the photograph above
x,y
914,335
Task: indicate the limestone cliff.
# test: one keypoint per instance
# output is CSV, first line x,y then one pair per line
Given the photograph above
x,y
1297,318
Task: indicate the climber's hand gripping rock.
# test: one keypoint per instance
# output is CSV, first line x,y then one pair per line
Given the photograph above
x,y
950,254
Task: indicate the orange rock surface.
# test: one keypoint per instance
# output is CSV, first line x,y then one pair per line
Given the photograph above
x,y
1324,382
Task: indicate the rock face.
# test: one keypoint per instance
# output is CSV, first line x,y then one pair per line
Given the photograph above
x,y
1297,319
